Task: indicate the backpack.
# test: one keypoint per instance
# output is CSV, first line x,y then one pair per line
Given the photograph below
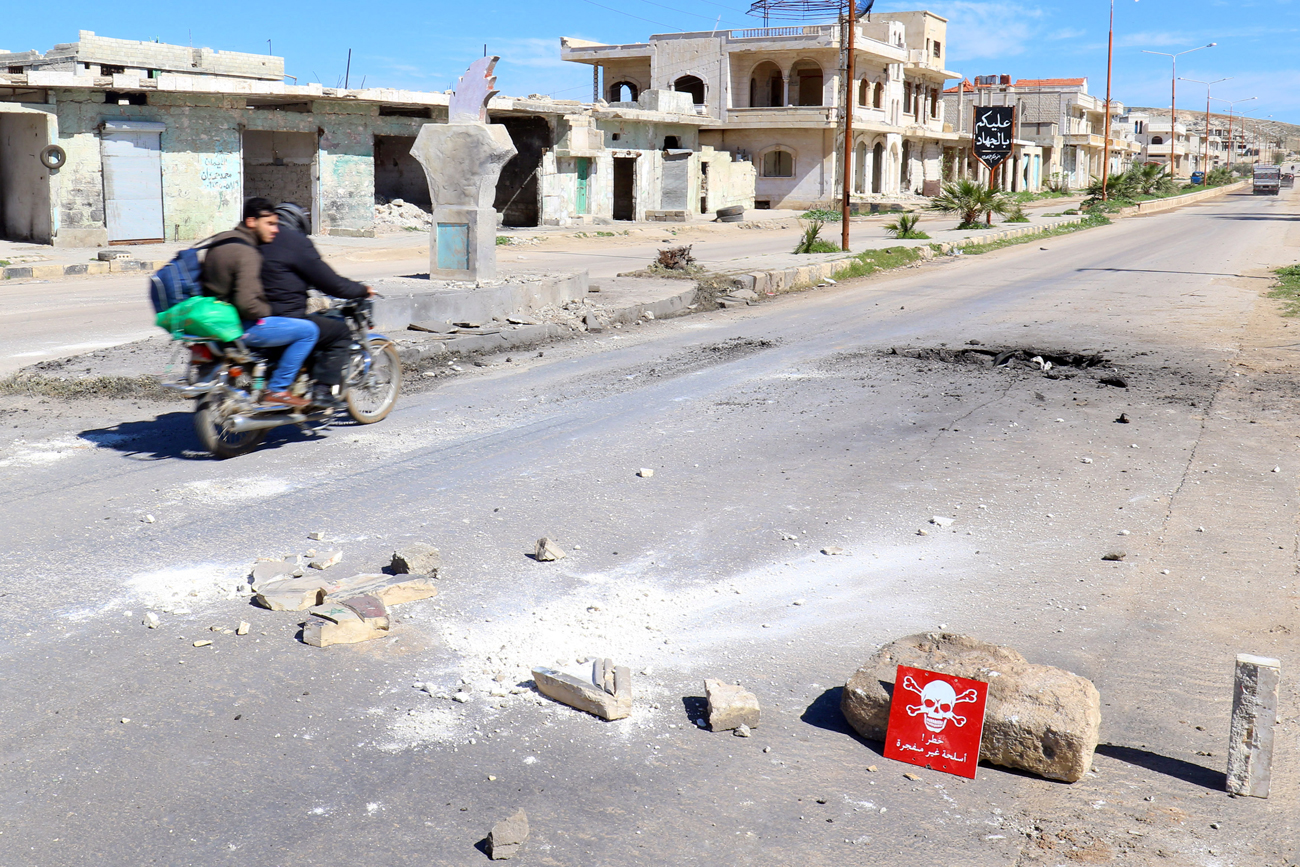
x,y
181,278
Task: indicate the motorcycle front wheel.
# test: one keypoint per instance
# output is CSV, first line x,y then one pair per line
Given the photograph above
x,y
371,395
209,423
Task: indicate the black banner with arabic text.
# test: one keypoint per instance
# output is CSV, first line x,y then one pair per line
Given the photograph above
x,y
994,133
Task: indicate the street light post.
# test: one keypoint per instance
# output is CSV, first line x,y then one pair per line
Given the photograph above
x,y
1232,147
1110,62
1205,168
1173,101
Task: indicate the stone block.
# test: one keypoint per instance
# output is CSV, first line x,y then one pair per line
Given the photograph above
x,y
507,836
416,559
326,560
1254,715
389,589
266,571
294,594
607,694
1039,719
730,706
547,551
362,618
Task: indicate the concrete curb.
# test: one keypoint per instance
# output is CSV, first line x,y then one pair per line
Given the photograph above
x,y
82,269
1157,206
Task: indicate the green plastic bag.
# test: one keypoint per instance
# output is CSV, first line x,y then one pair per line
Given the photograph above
x,y
202,317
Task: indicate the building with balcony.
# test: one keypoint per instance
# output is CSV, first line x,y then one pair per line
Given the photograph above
x,y
776,96
1056,115
1184,147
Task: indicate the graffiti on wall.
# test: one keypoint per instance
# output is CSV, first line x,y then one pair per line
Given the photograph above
x,y
219,174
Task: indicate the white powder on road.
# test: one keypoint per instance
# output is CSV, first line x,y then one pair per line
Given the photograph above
x,y
172,590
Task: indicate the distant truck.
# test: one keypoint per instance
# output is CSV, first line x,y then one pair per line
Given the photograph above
x,y
1268,180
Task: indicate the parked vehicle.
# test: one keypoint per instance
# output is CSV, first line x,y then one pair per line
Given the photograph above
x,y
1268,180
227,381
1288,180
1198,178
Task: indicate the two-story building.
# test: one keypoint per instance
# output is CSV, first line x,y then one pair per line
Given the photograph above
x,y
1183,150
1060,117
777,96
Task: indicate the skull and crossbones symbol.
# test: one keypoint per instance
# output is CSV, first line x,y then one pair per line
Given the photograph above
x,y
938,703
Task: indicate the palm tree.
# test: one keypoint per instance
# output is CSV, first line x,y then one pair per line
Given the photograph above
x,y
969,199
1150,178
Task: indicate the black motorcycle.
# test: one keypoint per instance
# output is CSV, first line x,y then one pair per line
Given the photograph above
x,y
228,380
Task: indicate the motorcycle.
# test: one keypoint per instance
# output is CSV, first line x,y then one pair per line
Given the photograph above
x,y
228,380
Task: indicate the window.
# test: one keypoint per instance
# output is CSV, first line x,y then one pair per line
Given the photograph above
x,y
934,103
623,91
112,70
672,142
15,70
114,98
864,92
778,164
1157,140
938,48
907,100
879,99
692,85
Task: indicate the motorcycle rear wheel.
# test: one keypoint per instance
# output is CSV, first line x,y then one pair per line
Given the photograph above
x,y
209,425
371,397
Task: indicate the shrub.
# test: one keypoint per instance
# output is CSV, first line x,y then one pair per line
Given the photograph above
x,y
904,228
970,200
812,242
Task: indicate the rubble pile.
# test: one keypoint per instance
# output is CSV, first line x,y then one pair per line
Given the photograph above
x,y
400,216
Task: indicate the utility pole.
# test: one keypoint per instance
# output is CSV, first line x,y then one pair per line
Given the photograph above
x,y
1110,64
1208,84
849,94
1173,100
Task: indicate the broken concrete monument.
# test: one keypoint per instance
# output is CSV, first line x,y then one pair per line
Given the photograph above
x,y
361,618
547,551
607,694
462,162
389,589
730,706
507,836
417,559
1254,714
1039,719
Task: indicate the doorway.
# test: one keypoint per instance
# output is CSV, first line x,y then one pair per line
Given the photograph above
x,y
133,198
281,166
877,167
24,181
397,174
624,188
583,199
677,182
519,196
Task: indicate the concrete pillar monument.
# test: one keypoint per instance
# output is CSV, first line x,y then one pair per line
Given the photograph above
x,y
462,162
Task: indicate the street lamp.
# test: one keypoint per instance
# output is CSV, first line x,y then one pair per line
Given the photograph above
x,y
1173,102
1232,148
1208,84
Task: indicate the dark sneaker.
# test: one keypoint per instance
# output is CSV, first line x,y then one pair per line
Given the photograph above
x,y
323,396
284,398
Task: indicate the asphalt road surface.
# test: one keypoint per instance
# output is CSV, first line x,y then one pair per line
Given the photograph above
x,y
773,432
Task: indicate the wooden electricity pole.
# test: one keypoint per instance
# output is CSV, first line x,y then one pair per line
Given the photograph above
x,y
850,96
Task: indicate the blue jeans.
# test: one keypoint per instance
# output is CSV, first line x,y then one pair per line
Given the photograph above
x,y
299,335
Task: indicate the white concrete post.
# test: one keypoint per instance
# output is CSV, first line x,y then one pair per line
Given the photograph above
x,y
1254,713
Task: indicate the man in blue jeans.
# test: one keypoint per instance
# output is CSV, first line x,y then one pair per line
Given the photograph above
x,y
232,271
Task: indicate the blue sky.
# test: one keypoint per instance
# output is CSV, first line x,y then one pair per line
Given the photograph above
x,y
426,45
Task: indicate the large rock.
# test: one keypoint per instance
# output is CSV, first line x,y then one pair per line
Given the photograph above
x,y
507,836
1039,719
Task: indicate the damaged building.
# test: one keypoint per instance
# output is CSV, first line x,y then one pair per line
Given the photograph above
x,y
776,96
111,141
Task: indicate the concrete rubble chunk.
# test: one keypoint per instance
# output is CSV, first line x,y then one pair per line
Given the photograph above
x,y
645,473
507,836
389,589
294,594
269,570
416,559
1254,715
151,620
243,628
607,693
1039,719
316,535
941,521
547,551
730,707
362,618
326,559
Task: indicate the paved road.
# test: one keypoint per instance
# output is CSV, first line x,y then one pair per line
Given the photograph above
x,y
773,432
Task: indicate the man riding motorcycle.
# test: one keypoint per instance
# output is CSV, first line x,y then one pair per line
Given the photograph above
x,y
232,271
291,266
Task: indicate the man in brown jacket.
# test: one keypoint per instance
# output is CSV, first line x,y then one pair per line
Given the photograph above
x,y
232,271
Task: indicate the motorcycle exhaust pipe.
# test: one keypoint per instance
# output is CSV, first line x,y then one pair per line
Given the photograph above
x,y
243,424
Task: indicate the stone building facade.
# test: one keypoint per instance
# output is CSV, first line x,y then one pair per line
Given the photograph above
x,y
164,142
776,96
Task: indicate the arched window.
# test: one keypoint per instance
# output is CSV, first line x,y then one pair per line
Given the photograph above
x,y
860,168
623,91
1157,140
864,92
778,164
692,85
806,83
672,142
767,86
934,103
879,100
907,99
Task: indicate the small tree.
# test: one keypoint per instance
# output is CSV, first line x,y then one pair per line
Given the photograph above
x,y
904,228
969,200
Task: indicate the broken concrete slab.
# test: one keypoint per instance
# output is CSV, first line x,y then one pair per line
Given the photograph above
x,y
507,836
547,551
294,594
1039,719
264,571
645,473
389,589
1254,716
607,694
417,558
362,618
730,706
431,326
326,559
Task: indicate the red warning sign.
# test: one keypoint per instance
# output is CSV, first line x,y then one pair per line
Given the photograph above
x,y
936,721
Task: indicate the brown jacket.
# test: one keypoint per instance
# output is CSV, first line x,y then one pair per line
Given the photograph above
x,y
232,271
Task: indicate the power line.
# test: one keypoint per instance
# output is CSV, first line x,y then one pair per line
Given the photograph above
x,y
630,15
681,12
